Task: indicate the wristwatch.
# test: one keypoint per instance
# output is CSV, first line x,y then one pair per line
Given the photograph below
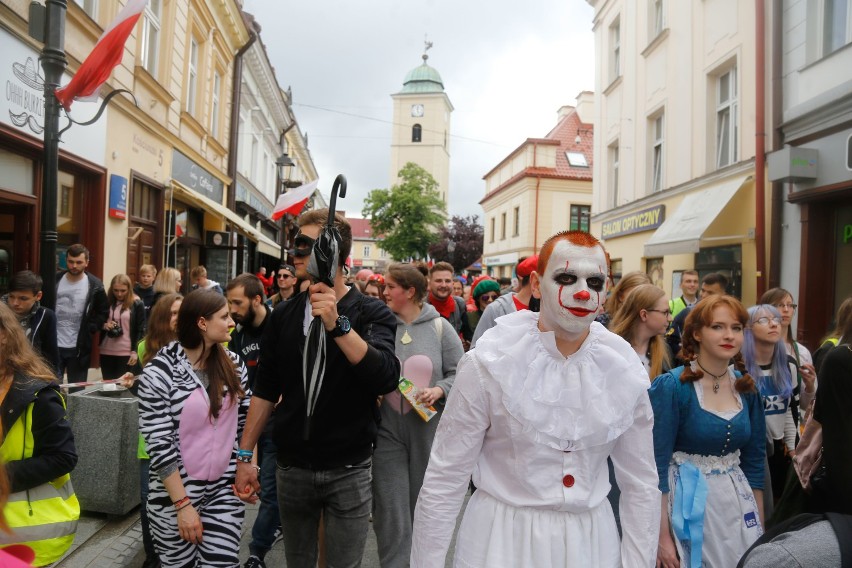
x,y
343,327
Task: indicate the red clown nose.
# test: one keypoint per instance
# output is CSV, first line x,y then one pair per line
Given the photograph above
x,y
582,295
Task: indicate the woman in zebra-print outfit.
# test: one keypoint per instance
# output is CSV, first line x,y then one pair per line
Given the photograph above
x,y
193,401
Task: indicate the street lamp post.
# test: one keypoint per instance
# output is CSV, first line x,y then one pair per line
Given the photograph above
x,y
283,165
53,62
451,248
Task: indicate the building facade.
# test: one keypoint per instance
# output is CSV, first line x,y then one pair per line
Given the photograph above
x,y
675,171
812,162
544,186
421,127
367,251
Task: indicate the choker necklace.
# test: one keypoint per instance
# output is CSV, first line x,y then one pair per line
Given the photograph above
x,y
716,378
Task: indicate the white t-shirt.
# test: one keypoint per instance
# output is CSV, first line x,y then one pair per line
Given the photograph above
x,y
70,304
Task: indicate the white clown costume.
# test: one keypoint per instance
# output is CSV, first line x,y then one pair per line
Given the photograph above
x,y
535,428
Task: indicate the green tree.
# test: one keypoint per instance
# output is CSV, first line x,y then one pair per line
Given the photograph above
x,y
408,216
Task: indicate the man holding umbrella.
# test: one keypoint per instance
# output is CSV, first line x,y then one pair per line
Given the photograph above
x,y
325,423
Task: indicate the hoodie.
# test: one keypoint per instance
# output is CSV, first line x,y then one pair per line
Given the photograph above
x,y
40,327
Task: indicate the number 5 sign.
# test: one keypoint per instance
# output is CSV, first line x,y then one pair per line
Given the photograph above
x,y
117,197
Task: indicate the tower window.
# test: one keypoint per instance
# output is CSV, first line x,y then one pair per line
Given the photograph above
x,y
416,133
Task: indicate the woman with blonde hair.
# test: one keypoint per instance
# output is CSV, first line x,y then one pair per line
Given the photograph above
x,y
37,448
642,320
123,330
168,281
619,293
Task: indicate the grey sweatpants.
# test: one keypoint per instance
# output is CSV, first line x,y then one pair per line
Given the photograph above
x,y
399,465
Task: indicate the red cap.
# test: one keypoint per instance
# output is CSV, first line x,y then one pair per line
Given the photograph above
x,y
527,267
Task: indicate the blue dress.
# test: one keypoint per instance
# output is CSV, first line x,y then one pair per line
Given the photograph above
x,y
709,463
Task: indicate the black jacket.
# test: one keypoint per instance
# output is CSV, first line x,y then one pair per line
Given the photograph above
x,y
146,295
40,328
95,314
54,453
344,424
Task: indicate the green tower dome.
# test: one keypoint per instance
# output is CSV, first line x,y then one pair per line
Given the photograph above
x,y
423,79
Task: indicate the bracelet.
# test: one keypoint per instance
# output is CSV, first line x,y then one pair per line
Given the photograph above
x,y
243,458
182,501
184,506
248,453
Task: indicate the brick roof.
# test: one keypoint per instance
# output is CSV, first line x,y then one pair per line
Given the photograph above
x,y
361,228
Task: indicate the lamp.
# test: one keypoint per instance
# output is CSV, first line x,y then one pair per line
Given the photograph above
x,y
577,140
284,161
282,164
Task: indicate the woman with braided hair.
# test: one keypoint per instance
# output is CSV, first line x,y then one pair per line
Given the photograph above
x,y
709,443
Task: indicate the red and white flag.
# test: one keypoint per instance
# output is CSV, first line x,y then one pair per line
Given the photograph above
x,y
293,201
107,53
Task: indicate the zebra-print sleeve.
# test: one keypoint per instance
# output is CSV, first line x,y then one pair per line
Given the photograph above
x,y
156,423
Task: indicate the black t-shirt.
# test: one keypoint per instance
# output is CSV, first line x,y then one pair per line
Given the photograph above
x,y
245,342
833,409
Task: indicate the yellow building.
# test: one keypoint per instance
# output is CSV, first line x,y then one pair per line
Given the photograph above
x,y
421,127
674,178
366,248
544,186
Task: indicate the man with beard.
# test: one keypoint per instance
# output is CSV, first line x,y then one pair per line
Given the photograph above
x,y
249,312
451,308
81,310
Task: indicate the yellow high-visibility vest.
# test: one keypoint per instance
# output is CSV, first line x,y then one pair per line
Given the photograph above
x,y
44,517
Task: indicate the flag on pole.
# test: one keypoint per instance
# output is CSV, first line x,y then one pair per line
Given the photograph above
x,y
107,53
293,201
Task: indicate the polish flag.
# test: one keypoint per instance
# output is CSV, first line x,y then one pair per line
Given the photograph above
x,y
293,201
107,53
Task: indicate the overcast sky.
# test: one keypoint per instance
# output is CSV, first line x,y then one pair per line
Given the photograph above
x,y
507,67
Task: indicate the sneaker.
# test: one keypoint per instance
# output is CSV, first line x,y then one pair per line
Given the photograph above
x,y
278,536
254,562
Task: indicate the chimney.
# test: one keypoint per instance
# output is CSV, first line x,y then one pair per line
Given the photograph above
x,y
563,111
586,107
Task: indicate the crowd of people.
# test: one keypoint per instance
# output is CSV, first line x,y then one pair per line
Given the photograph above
x,y
591,424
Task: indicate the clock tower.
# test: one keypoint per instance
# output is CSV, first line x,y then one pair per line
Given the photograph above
x,y
421,126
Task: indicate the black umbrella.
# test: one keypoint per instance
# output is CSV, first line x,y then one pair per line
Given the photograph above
x,y
322,266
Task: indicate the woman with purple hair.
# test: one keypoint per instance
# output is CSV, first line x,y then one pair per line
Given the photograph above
x,y
767,361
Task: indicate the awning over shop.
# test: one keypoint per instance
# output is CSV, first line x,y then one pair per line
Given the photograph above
x,y
682,232
265,245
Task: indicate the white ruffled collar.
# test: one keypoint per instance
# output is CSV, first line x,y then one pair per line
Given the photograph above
x,y
581,401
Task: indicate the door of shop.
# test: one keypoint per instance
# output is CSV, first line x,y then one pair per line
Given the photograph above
x,y
727,261
15,242
146,214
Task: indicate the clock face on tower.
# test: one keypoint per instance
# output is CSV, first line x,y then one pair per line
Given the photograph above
x,y
417,110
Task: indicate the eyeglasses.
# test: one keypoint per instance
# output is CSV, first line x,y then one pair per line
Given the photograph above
x,y
489,297
666,313
787,306
376,279
285,276
766,321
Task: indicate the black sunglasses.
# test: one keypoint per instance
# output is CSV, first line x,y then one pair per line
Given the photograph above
x,y
302,246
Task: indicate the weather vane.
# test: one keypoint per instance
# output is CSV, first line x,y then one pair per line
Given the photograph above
x,y
428,46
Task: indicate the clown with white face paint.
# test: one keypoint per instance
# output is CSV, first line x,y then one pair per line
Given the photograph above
x,y
537,408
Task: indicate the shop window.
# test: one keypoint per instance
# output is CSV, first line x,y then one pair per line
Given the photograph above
x,y
727,127
416,133
579,219
615,270
18,175
151,36
654,270
727,261
69,214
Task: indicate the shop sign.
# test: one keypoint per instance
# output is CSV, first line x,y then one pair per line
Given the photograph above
x,y
117,197
197,178
644,220
847,234
22,101
501,259
252,199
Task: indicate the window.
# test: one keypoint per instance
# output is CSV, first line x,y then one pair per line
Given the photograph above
x,y
615,269
366,251
193,76
493,223
214,107
726,118
580,215
613,174
517,222
656,18
383,253
89,6
151,36
576,159
615,50
502,226
416,133
835,25
657,131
